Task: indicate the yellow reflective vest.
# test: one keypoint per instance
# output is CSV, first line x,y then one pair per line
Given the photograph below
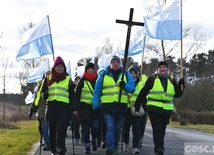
x,y
86,94
38,95
110,92
59,91
159,98
138,87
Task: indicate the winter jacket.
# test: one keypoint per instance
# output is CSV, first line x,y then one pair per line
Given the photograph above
x,y
114,107
38,104
84,108
142,97
58,111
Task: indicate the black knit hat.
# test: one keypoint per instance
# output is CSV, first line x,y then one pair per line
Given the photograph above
x,y
89,65
115,58
162,63
133,69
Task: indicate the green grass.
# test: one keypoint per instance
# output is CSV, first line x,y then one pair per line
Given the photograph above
x,y
19,141
200,127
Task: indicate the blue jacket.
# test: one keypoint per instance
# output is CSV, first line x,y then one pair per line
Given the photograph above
x,y
115,107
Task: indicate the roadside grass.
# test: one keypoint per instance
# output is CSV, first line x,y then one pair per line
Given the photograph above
x,y
19,139
199,127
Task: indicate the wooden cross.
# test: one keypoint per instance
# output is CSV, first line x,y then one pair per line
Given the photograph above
x,y
129,23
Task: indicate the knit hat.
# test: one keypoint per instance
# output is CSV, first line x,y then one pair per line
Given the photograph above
x,y
89,65
115,58
133,69
58,61
162,63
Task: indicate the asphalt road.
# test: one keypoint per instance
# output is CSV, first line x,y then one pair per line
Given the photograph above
x,y
175,142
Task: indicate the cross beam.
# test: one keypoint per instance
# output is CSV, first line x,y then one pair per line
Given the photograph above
x,y
129,23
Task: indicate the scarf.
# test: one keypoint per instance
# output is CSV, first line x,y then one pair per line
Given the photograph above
x,y
56,77
90,77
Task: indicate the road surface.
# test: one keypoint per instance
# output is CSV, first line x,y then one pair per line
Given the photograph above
x,y
174,143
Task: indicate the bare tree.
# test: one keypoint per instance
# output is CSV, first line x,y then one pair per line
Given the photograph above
x,y
6,65
21,76
194,39
106,48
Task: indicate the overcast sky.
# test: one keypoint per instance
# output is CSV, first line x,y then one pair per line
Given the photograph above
x,y
79,26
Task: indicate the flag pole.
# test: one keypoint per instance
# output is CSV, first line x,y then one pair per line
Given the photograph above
x,y
141,71
181,59
51,37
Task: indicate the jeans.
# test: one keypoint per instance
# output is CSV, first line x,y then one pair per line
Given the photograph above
x,y
113,123
46,133
86,126
95,129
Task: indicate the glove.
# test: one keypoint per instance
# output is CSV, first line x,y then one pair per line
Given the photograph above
x,y
45,95
30,114
122,84
137,107
75,114
181,81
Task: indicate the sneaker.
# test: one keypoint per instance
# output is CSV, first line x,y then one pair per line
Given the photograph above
x,y
61,152
87,150
82,139
159,152
109,151
94,146
116,152
46,148
76,141
42,143
103,145
135,151
126,147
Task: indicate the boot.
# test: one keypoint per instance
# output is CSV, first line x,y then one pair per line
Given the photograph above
x,y
87,150
159,152
94,145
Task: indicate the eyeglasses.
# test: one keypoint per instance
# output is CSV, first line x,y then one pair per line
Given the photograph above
x,y
60,66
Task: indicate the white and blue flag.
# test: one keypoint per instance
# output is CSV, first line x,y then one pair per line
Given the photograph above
x,y
36,42
164,22
38,72
136,44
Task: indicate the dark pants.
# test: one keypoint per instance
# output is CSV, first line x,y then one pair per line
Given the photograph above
x,y
159,123
135,122
103,131
75,125
57,136
90,127
143,126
